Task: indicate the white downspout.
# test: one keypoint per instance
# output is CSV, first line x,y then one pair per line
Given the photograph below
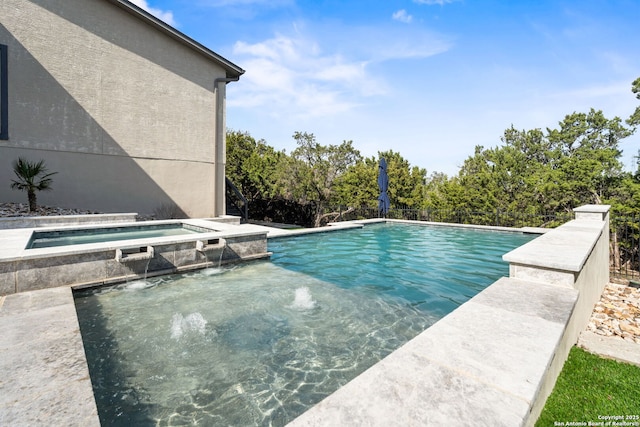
x,y
220,151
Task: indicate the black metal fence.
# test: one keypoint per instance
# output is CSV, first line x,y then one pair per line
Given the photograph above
x,y
494,218
237,204
623,247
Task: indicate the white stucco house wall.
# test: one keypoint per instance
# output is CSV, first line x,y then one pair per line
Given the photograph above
x,y
128,111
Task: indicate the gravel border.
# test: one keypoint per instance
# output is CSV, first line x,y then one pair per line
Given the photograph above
x,y
8,210
13,210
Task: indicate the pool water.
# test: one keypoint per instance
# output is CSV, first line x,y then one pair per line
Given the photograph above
x,y
260,343
47,239
432,268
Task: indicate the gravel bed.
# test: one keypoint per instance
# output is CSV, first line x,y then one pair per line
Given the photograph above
x,y
8,210
22,209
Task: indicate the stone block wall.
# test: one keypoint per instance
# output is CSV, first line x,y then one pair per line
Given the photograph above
x,y
575,256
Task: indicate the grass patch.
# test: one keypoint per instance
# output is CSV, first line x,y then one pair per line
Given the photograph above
x,y
590,387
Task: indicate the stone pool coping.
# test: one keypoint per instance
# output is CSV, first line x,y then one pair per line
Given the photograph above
x,y
14,241
494,369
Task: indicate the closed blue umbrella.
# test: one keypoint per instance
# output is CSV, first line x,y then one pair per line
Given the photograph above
x,y
383,183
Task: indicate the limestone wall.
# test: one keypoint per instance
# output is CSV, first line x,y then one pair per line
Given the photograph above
x,y
575,256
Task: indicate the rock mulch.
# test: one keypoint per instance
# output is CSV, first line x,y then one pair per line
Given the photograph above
x,y
617,314
22,209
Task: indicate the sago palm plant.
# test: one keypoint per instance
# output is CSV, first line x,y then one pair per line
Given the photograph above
x,y
31,177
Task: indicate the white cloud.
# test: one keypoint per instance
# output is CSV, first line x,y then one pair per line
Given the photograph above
x,y
402,16
166,16
326,76
293,77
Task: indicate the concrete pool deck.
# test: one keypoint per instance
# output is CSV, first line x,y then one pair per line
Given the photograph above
x,y
490,362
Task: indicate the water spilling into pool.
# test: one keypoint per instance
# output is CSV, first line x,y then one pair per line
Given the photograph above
x,y
260,343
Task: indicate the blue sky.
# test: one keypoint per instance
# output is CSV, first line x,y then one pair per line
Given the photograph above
x,y
430,79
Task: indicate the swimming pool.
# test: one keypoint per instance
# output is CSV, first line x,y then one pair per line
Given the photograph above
x,y
261,343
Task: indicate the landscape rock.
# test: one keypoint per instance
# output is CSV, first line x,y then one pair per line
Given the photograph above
x,y
8,210
617,313
22,209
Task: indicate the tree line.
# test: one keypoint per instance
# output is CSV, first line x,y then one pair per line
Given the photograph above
x,y
532,171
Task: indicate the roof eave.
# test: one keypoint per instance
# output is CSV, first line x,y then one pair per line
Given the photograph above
x,y
231,69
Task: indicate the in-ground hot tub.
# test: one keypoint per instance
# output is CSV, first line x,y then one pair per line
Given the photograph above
x,y
78,236
103,254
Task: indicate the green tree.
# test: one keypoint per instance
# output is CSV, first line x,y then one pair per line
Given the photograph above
x,y
358,186
436,196
587,157
444,193
253,166
31,177
625,202
533,172
478,179
528,172
315,169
